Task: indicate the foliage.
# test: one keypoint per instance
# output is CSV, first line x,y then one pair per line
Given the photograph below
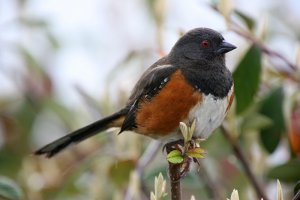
x,y
248,69
272,107
190,149
159,188
234,195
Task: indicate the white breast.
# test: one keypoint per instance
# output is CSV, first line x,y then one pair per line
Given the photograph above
x,y
209,114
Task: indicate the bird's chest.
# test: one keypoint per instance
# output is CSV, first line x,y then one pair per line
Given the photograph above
x,y
209,114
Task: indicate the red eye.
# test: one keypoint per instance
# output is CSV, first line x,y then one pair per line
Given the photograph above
x,y
205,44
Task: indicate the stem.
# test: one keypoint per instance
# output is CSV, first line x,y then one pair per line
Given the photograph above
x,y
240,156
174,173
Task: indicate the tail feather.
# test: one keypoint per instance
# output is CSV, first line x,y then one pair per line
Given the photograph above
x,y
79,135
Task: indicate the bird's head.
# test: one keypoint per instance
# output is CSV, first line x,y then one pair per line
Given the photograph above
x,y
201,44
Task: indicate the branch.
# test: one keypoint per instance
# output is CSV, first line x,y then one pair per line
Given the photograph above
x,y
181,153
240,156
174,173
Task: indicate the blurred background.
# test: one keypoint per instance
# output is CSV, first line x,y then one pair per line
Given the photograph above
x,y
66,63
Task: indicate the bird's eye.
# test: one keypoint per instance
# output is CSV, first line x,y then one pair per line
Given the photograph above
x,y
205,44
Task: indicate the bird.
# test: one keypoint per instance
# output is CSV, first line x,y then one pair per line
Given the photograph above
x,y
190,83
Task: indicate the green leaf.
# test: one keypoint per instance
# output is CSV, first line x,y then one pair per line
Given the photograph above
x,y
9,189
246,79
248,21
175,157
11,160
287,172
272,107
174,153
119,172
196,152
255,121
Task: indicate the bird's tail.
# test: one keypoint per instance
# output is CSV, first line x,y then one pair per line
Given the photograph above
x,y
114,120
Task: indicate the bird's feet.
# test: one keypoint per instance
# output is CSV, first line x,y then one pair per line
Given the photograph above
x,y
181,154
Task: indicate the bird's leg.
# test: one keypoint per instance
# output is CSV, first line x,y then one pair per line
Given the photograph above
x,y
189,151
184,167
173,145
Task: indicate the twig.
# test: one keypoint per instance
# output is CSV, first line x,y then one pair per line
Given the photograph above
x,y
240,156
174,173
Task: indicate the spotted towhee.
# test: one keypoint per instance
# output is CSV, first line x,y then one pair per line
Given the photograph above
x,y
191,82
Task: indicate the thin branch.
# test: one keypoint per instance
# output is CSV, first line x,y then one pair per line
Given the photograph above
x,y
175,173
175,176
241,157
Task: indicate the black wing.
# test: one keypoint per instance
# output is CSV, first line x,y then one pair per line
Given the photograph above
x,y
146,88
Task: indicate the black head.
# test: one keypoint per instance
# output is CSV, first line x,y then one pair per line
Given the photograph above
x,y
201,44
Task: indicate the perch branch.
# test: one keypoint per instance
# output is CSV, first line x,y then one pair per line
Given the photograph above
x,y
174,172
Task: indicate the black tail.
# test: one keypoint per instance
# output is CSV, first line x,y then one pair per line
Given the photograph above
x,y
79,135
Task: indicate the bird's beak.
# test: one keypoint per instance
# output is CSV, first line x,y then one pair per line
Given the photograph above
x,y
224,47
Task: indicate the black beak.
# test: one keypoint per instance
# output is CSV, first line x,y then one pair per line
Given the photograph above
x,y
225,47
